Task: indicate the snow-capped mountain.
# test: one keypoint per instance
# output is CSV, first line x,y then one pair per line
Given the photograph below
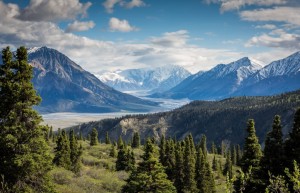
x,y
220,81
65,86
148,79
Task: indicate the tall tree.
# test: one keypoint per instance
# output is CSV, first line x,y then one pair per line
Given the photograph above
x,y
25,156
62,151
179,174
228,166
75,152
107,139
122,159
203,145
273,157
136,141
149,176
94,137
292,144
252,150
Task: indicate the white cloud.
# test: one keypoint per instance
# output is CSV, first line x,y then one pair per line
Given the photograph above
x,y
116,24
276,39
266,26
133,3
110,4
279,14
228,5
171,39
54,10
80,26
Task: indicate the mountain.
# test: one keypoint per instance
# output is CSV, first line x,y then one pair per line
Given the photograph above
x,y
219,82
277,77
65,87
240,78
218,120
147,79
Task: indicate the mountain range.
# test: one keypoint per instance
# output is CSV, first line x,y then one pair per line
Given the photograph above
x,y
240,78
66,87
150,80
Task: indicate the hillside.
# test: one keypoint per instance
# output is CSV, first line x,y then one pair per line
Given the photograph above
x,y
218,120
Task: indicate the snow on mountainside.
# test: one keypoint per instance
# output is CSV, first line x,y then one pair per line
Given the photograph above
x,y
220,81
65,86
159,79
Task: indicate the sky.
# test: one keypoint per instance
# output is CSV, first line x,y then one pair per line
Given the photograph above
x,y
108,35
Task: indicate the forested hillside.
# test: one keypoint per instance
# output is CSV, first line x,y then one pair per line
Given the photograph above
x,y
218,120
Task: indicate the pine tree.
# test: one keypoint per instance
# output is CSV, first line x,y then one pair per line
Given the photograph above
x,y
131,160
122,159
292,144
107,139
94,137
136,141
120,142
214,149
179,174
203,145
239,154
51,133
162,150
25,156
62,151
113,152
215,164
75,153
80,136
149,176
252,150
228,166
272,159
189,167
170,159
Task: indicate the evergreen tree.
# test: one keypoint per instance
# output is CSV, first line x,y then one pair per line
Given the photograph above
x,y
203,145
292,144
234,155
252,150
239,154
50,133
179,174
228,166
120,142
214,149
113,152
107,139
62,151
189,167
122,159
215,164
149,176
131,160
162,150
136,141
80,136
94,137
25,156
272,160
170,159
75,153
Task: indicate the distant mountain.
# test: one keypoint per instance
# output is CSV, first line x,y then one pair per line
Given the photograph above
x,y
218,120
217,83
65,86
241,78
152,80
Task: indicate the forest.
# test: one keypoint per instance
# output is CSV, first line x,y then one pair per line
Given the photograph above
x,y
36,159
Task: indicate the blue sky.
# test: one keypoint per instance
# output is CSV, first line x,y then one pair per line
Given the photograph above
x,y
103,35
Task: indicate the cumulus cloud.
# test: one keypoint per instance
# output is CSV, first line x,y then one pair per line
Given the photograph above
x,y
80,26
171,39
278,14
266,26
110,4
276,39
116,24
54,10
228,5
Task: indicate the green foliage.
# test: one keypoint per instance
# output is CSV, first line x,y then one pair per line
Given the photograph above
x,y
136,141
203,145
277,184
252,150
62,151
107,139
294,177
228,166
113,152
75,153
179,174
149,176
120,142
94,137
25,157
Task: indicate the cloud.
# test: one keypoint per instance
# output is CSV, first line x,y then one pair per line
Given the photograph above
x,y
278,14
171,39
80,26
54,10
276,39
133,3
110,4
266,26
116,24
228,5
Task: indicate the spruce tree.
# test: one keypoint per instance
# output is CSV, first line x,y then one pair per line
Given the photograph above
x,y
170,159
162,150
107,139
94,137
25,156
273,160
215,164
179,174
62,151
136,141
203,145
228,166
113,152
252,150
149,176
292,144
122,159
120,142
75,153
